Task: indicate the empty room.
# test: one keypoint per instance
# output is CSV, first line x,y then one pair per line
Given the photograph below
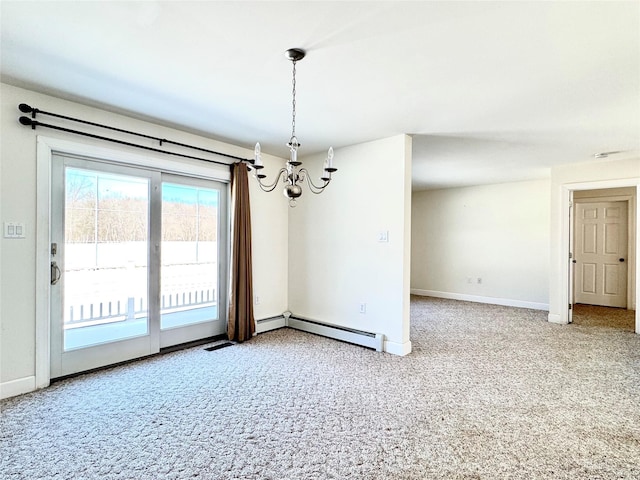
x,y
319,240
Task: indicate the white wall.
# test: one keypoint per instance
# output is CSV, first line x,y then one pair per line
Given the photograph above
x,y
498,233
336,261
573,177
18,204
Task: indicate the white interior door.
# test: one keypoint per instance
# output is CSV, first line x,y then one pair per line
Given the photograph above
x,y
601,236
138,262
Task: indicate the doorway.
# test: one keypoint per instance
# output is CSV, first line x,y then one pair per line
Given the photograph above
x,y
138,262
608,317
602,275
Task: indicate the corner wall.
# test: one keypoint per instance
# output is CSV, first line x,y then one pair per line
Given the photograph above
x,y
336,261
18,204
270,246
496,233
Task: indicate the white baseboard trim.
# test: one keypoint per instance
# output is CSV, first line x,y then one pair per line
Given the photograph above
x,y
268,324
395,348
16,387
480,299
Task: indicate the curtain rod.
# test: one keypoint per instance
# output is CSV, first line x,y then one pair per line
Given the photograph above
x,y
23,107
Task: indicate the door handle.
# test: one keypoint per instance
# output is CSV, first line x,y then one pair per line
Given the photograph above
x,y
621,259
55,273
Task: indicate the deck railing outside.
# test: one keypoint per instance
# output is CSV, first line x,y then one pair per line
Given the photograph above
x,y
128,309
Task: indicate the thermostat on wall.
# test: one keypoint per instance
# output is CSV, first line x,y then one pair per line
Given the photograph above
x,y
13,230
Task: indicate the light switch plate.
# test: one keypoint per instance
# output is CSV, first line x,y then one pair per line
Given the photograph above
x,y
13,230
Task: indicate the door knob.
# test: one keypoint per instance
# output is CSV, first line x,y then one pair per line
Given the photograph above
x,y
621,259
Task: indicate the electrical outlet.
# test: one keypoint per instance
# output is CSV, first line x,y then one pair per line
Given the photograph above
x,y
257,300
363,308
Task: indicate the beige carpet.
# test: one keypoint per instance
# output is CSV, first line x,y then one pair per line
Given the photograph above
x,y
595,316
489,393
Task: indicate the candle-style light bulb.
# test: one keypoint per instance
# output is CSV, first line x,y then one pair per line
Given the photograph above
x,y
330,158
257,156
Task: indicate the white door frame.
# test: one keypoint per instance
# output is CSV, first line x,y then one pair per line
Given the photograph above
x,y
44,149
572,258
634,259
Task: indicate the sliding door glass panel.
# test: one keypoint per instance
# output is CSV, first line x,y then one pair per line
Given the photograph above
x,y
106,268
189,258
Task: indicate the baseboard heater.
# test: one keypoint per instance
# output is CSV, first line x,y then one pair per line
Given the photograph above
x,y
350,335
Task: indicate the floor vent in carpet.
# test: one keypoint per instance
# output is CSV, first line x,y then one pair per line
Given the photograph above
x,y
220,345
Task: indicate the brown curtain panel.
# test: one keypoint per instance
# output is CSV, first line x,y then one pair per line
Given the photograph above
x,y
241,324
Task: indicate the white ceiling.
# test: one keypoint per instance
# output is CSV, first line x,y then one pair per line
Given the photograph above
x,y
491,91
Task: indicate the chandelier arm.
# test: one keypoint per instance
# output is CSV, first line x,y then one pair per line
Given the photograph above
x,y
271,187
304,175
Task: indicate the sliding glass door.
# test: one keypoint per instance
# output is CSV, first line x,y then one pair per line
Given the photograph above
x,y
192,245
137,262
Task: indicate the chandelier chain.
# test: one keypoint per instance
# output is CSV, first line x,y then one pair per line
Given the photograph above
x,y
293,103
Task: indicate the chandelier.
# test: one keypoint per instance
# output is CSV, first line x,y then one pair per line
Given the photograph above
x,y
292,175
